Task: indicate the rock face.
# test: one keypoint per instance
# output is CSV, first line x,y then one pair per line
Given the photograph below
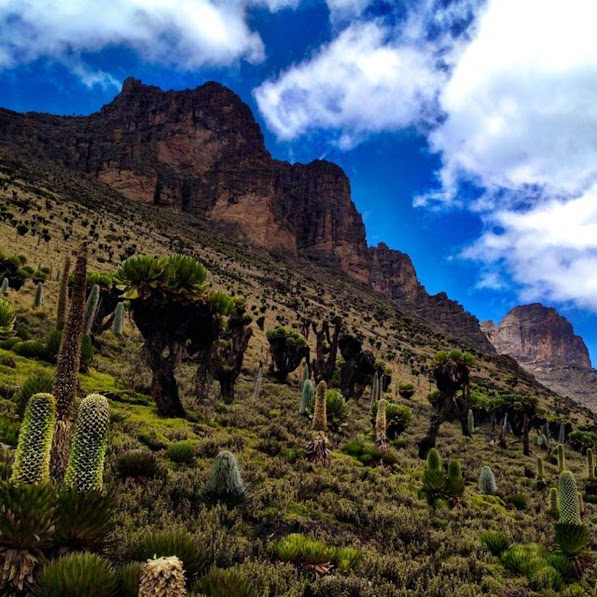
x,y
544,343
201,151
393,274
537,334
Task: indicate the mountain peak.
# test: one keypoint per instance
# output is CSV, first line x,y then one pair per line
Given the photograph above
x,y
539,335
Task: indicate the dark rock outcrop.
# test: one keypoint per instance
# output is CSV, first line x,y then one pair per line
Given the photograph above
x,y
393,274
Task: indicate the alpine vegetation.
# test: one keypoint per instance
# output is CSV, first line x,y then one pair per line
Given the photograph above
x,y
381,439
224,483
307,394
317,451
487,484
38,297
67,365
91,308
118,323
32,458
163,577
86,461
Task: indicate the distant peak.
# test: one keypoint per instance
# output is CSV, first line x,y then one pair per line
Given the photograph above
x,y
131,84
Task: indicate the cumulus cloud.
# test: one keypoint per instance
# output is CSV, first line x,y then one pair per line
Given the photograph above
x,y
375,75
358,84
521,124
180,33
550,250
520,102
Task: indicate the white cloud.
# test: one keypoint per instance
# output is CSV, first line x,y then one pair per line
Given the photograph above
x,y
550,250
520,103
360,83
522,125
345,10
181,33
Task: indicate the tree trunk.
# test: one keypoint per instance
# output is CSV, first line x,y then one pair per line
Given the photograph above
x,y
227,387
202,382
429,440
164,389
526,449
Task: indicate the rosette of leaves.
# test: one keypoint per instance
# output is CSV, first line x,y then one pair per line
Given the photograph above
x,y
176,542
226,583
434,479
313,555
27,524
84,521
77,574
161,577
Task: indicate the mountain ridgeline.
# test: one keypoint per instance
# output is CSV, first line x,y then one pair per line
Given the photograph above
x,y
201,152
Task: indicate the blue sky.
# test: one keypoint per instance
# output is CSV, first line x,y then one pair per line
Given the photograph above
x,y
468,128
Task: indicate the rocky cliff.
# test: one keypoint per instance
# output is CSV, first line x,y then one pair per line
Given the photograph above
x,y
201,152
393,274
537,334
545,344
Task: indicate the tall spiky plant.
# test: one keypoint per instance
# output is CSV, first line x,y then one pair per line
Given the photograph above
x,y
561,458
5,286
381,425
163,577
224,483
305,374
91,308
454,480
63,294
590,464
374,388
68,363
317,451
86,462
258,382
470,421
32,459
552,503
540,469
434,478
571,535
306,396
38,297
118,323
487,483
562,433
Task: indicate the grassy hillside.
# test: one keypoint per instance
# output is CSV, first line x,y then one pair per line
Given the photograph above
x,y
403,546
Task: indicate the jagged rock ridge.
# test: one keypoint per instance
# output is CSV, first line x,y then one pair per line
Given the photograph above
x,y
201,151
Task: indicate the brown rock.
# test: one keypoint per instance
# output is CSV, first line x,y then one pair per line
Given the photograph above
x,y
537,334
201,151
544,343
393,274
